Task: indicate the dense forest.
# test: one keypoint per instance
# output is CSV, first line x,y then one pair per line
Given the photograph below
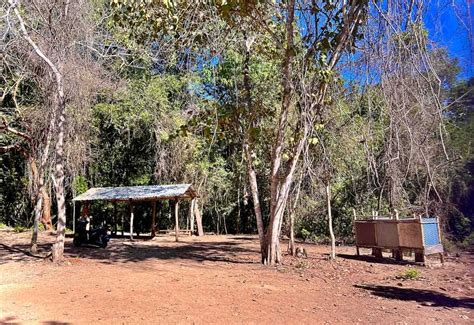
x,y
277,112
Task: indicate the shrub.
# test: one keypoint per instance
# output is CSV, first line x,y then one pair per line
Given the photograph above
x,y
410,274
301,265
468,241
305,234
19,229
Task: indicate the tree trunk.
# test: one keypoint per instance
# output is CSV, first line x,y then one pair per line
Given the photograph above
x,y
331,232
278,192
197,213
250,168
291,242
58,247
255,198
46,215
38,205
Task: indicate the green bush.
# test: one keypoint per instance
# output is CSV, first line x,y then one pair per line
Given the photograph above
x,y
20,229
410,274
468,241
448,245
305,234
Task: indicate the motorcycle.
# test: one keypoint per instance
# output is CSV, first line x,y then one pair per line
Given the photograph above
x,y
96,236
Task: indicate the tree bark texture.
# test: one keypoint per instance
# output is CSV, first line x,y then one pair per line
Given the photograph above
x,y
331,231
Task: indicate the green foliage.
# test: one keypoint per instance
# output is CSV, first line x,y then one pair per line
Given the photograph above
x,y
179,114
19,228
79,184
16,206
304,234
468,241
410,274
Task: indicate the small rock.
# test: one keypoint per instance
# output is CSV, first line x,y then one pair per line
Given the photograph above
x,y
400,284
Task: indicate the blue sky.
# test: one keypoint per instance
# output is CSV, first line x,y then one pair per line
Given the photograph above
x,y
448,23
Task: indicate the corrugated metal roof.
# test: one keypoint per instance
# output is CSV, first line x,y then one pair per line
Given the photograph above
x,y
159,192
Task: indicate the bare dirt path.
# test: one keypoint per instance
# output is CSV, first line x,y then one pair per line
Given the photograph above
x,y
218,279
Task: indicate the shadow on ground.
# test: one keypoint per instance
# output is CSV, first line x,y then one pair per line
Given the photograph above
x,y
12,320
424,297
22,253
121,251
137,251
378,260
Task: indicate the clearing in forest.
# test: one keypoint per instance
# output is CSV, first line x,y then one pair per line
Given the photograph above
x,y
218,279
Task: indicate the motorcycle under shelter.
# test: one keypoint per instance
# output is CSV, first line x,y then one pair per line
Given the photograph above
x,y
152,193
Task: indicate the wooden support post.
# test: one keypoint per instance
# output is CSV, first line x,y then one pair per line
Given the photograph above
x,y
188,220
420,256
74,217
123,221
153,219
397,254
191,212
377,252
115,218
176,219
441,255
357,251
198,219
131,220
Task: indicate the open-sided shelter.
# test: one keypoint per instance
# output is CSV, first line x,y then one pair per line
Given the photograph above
x,y
152,193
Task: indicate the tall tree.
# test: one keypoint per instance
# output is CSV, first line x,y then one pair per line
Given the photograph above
x,y
311,37
57,36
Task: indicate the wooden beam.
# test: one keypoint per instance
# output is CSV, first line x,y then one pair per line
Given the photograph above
x,y
153,219
176,219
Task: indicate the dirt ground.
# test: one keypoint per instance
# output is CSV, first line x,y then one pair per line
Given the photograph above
x,y
218,279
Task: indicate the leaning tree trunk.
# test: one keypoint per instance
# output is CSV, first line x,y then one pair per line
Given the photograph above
x,y
42,210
